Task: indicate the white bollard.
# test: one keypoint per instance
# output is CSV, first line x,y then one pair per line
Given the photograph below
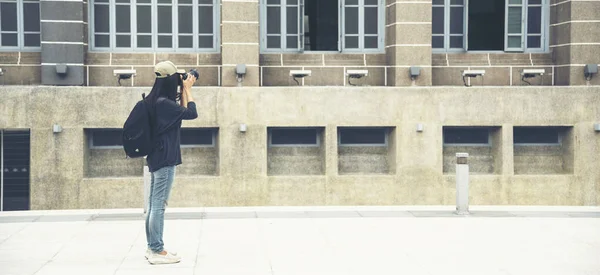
x,y
147,181
462,184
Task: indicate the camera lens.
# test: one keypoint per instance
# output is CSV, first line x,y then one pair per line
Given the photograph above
x,y
193,72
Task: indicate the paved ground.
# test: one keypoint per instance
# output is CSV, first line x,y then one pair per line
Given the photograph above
x,y
308,240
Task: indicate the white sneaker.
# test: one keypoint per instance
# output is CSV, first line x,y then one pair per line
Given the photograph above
x,y
169,258
149,253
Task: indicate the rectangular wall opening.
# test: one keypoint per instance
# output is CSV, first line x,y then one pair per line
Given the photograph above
x,y
105,157
543,150
366,150
199,152
295,151
481,143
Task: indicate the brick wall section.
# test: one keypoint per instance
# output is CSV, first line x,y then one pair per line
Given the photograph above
x,y
240,41
20,68
100,67
62,34
501,69
575,39
326,69
408,41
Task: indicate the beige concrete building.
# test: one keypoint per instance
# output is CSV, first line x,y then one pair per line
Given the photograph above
x,y
342,102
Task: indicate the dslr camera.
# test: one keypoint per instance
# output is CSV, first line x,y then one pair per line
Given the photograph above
x,y
193,72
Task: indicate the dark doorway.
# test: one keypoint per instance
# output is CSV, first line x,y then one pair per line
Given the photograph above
x,y
486,25
321,25
15,150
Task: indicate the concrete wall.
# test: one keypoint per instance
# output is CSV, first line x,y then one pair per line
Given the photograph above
x,y
200,161
111,163
60,179
363,160
481,159
546,159
296,161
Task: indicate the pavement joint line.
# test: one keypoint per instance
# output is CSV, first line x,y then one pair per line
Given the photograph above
x,y
199,242
264,213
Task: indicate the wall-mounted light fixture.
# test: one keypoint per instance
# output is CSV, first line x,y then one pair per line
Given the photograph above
x,y
597,127
124,74
299,74
414,72
56,128
356,74
531,73
589,71
471,74
240,71
420,127
61,69
243,128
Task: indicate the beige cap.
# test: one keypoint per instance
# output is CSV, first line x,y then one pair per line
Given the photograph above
x,y
166,69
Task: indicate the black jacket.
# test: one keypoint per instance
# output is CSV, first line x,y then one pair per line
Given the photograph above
x,y
167,128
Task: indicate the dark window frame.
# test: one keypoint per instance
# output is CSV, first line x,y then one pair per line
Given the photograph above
x,y
213,132
317,143
119,131
471,144
558,130
386,132
91,138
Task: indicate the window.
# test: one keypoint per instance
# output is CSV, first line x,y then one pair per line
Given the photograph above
x,y
19,25
491,25
198,137
322,25
536,135
154,25
293,137
363,136
106,138
466,136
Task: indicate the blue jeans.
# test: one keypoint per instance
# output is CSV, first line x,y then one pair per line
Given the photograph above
x,y
160,188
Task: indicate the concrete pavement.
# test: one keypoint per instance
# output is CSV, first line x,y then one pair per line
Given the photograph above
x,y
416,240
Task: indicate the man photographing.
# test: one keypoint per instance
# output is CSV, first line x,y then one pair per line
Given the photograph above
x,y
165,117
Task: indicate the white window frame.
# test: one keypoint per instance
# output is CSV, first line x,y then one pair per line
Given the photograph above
x,y
386,133
545,29
154,9
283,28
317,132
341,28
447,7
21,29
213,142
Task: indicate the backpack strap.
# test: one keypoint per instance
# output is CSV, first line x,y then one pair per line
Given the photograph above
x,y
152,132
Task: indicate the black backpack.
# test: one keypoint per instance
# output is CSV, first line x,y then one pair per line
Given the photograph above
x,y
138,140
